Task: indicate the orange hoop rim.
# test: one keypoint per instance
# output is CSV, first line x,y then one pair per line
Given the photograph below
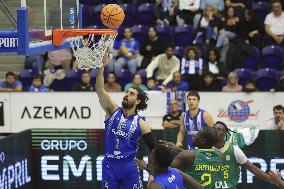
x,y
58,35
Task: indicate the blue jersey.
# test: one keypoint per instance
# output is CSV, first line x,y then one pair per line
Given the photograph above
x,y
170,180
193,125
121,135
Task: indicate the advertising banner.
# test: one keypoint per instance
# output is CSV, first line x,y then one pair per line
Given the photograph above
x,y
5,117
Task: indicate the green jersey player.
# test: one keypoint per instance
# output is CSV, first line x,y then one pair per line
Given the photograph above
x,y
232,157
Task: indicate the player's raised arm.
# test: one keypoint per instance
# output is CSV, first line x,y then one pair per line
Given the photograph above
x,y
185,158
104,97
189,181
181,133
147,135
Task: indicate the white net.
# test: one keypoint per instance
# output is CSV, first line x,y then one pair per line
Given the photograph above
x,y
89,54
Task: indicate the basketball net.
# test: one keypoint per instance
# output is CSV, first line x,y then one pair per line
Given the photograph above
x,y
88,53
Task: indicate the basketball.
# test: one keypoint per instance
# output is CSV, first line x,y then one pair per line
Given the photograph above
x,y
112,15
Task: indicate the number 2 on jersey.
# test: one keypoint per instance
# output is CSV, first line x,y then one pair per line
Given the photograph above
x,y
206,177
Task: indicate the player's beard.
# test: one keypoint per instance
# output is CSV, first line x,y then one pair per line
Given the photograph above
x,y
127,105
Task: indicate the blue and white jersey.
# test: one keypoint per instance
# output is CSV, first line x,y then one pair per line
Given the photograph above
x,y
121,135
170,180
193,125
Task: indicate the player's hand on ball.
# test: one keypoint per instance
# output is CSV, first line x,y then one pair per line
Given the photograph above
x,y
141,164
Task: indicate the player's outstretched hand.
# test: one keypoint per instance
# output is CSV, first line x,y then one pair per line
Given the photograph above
x,y
275,178
141,164
106,58
171,145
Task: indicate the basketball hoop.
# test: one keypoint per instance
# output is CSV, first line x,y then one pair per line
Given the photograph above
x,y
88,53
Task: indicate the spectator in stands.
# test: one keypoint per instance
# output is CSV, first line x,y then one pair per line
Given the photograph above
x,y
172,122
187,10
128,49
191,67
151,47
251,29
205,27
136,82
35,61
59,59
228,28
249,86
172,119
37,85
111,85
214,65
85,84
274,25
165,11
152,84
177,84
238,5
166,64
217,4
232,83
276,123
11,84
209,83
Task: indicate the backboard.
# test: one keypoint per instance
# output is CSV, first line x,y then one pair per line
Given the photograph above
x,y
29,24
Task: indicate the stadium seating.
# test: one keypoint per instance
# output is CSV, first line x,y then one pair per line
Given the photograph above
x,y
26,77
145,14
266,79
244,75
184,35
272,57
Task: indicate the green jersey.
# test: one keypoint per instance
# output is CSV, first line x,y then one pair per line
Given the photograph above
x,y
231,169
207,167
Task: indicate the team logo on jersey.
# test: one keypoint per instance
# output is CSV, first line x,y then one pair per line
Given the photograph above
x,y
208,155
123,125
228,158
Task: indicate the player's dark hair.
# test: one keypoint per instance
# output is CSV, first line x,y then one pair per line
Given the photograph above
x,y
229,131
278,107
143,97
163,156
210,134
193,93
9,73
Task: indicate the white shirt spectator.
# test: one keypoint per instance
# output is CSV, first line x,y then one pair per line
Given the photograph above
x,y
276,24
271,125
213,68
189,4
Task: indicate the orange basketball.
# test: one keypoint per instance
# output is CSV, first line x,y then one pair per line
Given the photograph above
x,y
112,15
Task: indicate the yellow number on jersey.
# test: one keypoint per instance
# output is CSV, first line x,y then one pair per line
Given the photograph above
x,y
206,177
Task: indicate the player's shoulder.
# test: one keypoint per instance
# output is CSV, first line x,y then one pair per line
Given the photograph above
x,y
154,185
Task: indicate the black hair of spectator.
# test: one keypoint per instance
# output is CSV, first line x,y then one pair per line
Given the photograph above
x,y
37,76
9,73
163,156
216,53
250,81
86,72
151,78
275,1
143,97
193,48
112,74
170,46
278,107
249,12
208,73
193,93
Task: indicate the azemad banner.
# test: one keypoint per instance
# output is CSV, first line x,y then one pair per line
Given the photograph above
x,y
16,162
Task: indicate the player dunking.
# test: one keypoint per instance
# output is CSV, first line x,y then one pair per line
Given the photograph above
x,y
123,127
193,120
